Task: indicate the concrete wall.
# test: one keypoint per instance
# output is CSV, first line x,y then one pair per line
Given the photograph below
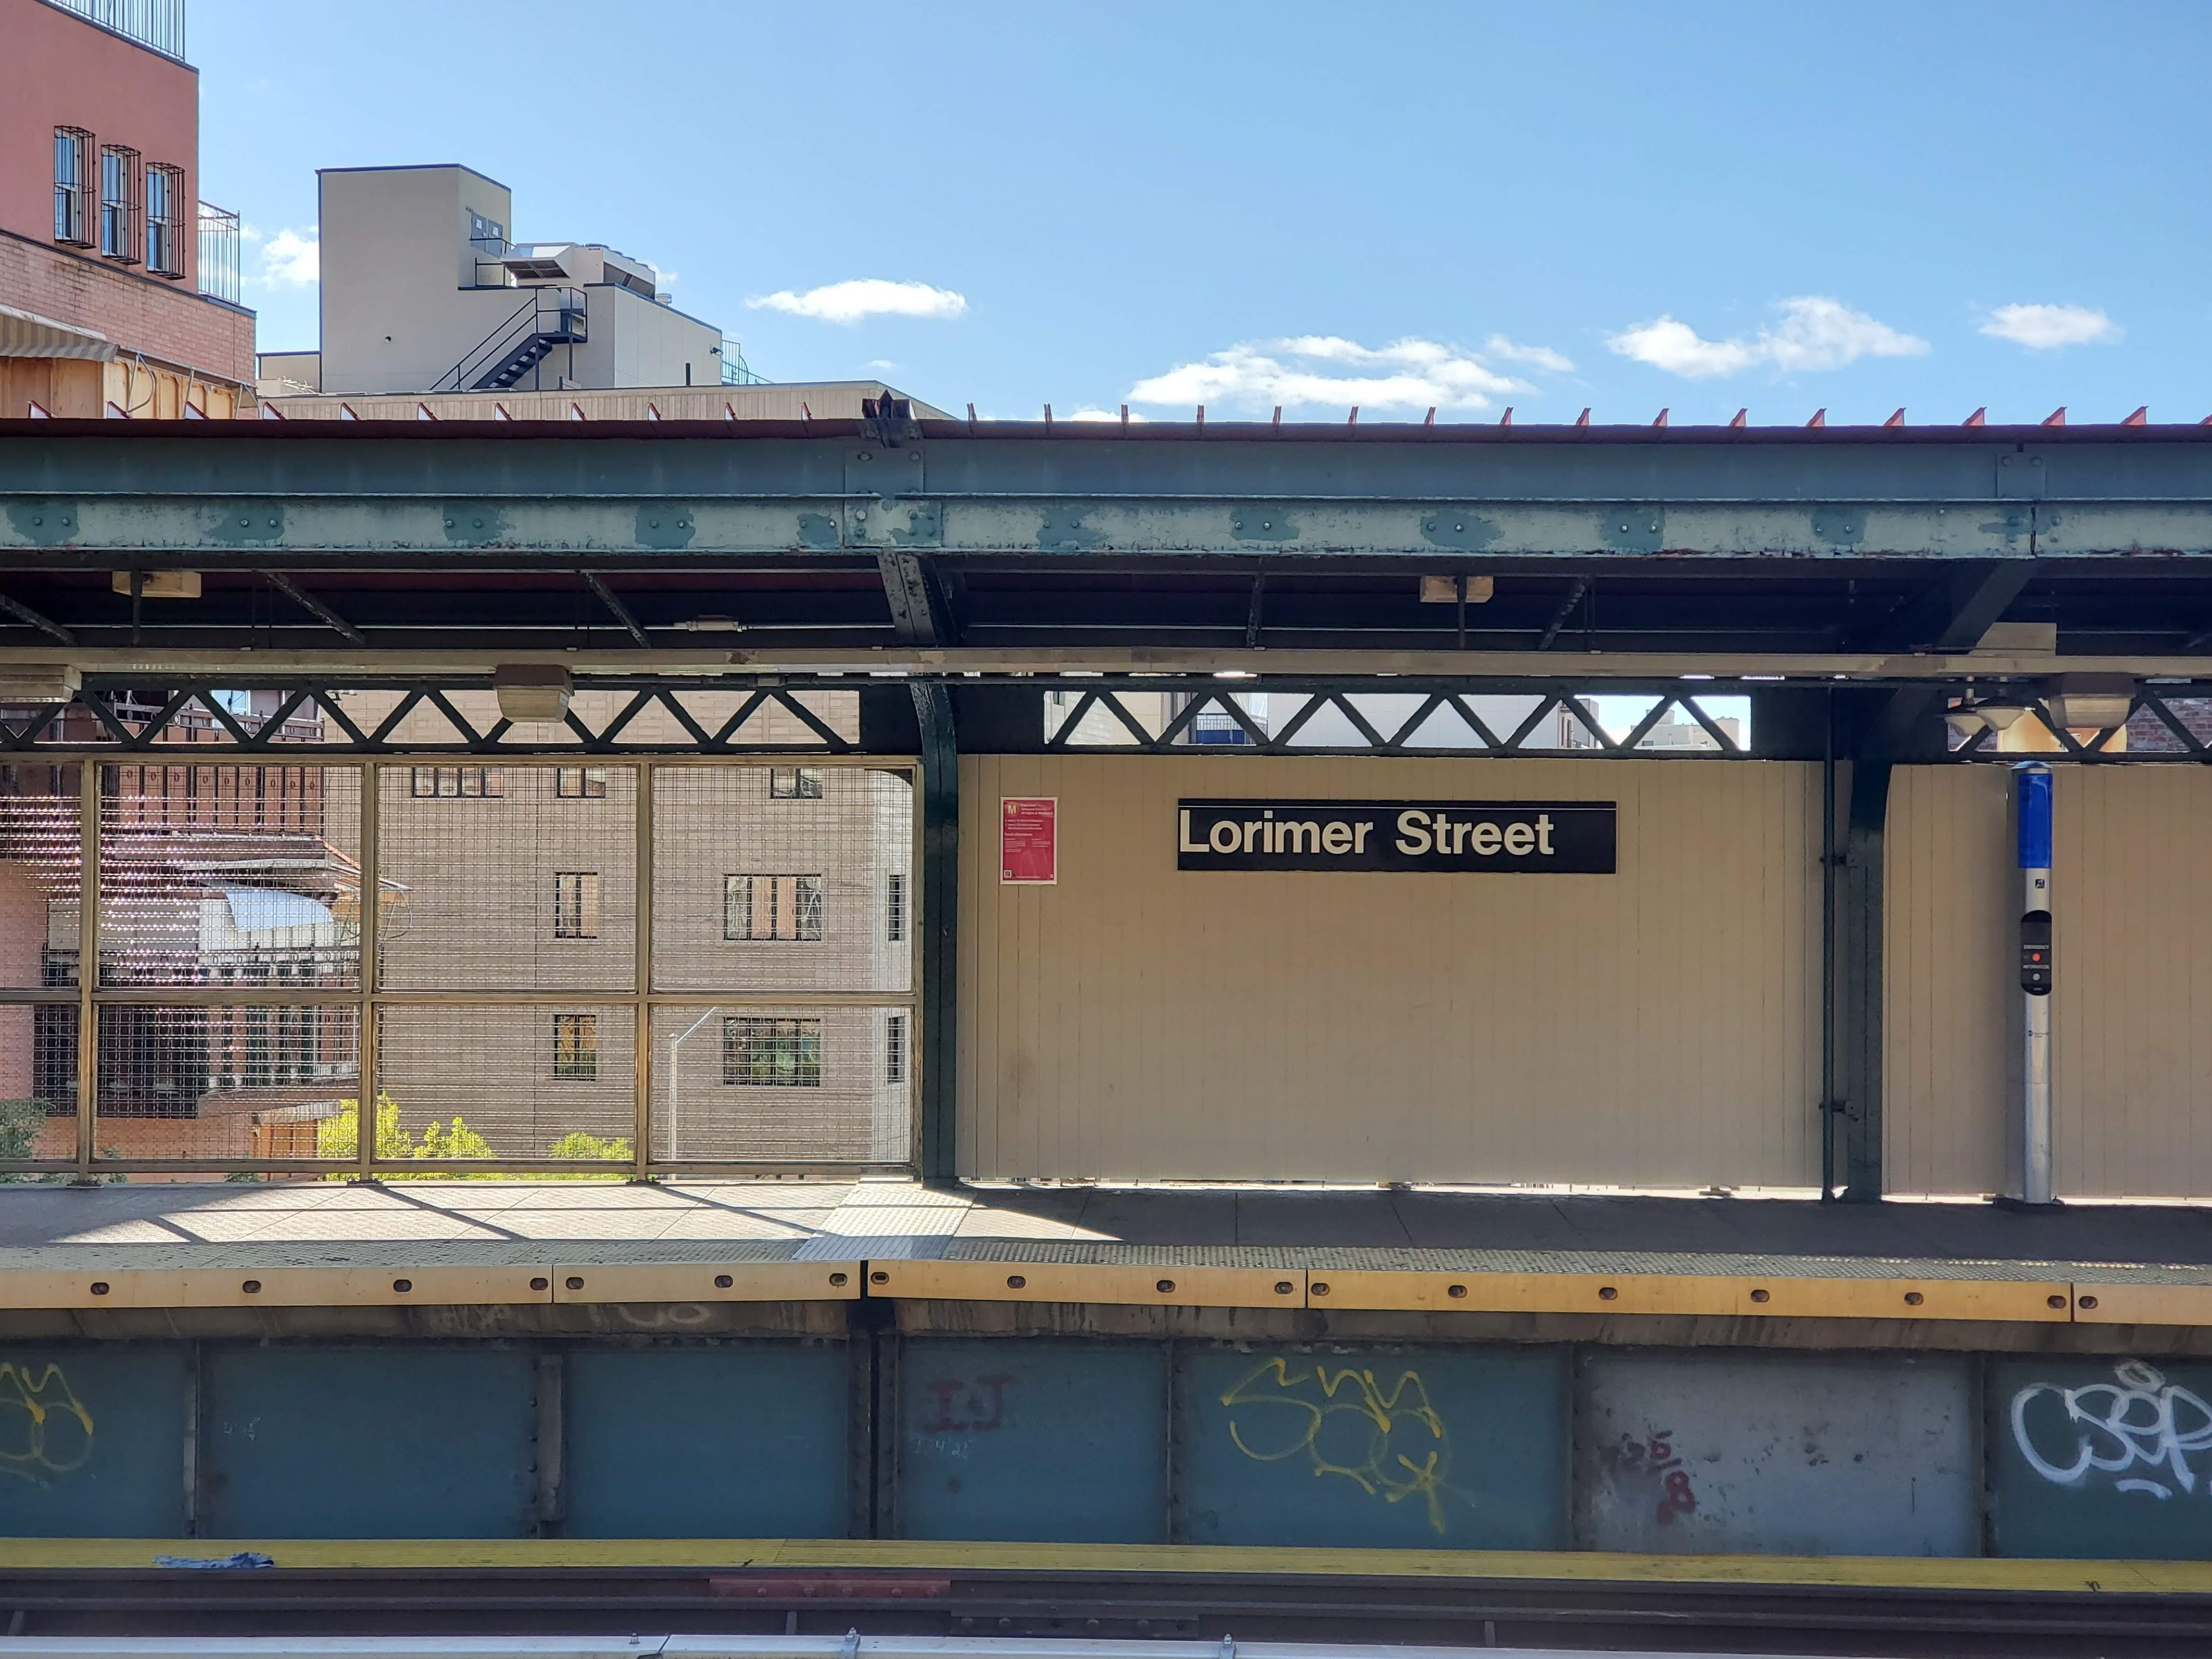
x,y
2131,1052
1655,1027
395,261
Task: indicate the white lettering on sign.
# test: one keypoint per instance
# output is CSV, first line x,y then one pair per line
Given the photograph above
x,y
1420,832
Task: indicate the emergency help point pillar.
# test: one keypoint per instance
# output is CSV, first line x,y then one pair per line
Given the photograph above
x,y
2032,812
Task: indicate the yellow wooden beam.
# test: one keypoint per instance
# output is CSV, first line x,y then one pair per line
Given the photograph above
x,y
1089,1281
709,1281
1728,1295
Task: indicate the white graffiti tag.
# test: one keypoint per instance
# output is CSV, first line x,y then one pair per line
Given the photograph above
x,y
2140,1420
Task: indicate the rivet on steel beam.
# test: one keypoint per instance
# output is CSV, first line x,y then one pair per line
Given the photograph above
x,y
1758,1295
540,1284
99,1287
723,1281
838,1280
1913,1298
2086,1302
402,1285
879,1277
1016,1282
573,1283
1283,1288
251,1287
1607,1293
1320,1288
2055,1302
1457,1292
1164,1286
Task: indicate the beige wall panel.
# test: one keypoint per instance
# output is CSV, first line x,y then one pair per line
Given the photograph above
x,y
1656,1027
2131,1040
1946,990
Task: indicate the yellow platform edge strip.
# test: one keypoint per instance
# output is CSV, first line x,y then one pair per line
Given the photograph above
x,y
1402,1291
793,1555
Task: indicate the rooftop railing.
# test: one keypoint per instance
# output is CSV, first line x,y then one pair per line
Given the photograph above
x,y
156,24
219,253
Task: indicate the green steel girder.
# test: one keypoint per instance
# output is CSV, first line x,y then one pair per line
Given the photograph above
x,y
247,492
253,530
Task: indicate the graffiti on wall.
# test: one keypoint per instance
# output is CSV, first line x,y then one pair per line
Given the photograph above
x,y
1653,1457
1389,1442
2139,1431
959,1409
45,1429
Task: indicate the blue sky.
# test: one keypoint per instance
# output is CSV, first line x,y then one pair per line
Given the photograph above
x,y
1543,206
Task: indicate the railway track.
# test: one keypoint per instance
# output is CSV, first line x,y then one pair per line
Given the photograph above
x,y
1685,1618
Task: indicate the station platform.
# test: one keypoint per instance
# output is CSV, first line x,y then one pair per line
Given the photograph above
x,y
1417,1251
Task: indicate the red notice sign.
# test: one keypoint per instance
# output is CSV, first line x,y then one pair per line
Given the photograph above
x,y
1029,839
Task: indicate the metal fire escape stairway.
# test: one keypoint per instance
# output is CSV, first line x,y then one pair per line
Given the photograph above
x,y
551,317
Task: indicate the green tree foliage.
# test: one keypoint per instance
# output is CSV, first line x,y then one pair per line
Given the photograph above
x,y
339,1138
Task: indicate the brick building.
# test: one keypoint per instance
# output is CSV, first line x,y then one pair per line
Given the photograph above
x,y
118,286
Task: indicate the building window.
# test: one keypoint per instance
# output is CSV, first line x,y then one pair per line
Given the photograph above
x,y
468,782
895,1047
576,905
777,1054
73,186
164,219
581,783
487,236
771,908
118,203
794,782
895,906
576,1046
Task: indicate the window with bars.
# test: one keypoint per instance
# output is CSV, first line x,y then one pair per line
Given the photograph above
x,y
73,186
895,1047
581,783
466,782
895,908
164,219
576,1046
576,905
779,1053
794,783
788,908
119,233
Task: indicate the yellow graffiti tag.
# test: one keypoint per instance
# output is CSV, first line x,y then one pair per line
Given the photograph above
x,y
36,1412
1343,1423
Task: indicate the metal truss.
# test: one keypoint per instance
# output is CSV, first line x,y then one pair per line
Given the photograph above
x,y
1443,722
2161,725
313,719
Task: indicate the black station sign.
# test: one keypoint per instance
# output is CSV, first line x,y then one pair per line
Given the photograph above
x,y
1455,836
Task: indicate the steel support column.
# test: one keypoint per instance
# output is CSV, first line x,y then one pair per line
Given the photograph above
x,y
939,922
1856,1094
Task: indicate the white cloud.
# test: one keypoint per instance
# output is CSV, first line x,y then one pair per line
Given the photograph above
x,y
1092,412
883,365
290,258
864,296
1325,368
2047,328
1813,332
1543,357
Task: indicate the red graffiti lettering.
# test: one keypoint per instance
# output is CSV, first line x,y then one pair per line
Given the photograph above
x,y
943,1392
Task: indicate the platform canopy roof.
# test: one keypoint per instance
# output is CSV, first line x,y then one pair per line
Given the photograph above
x,y
951,547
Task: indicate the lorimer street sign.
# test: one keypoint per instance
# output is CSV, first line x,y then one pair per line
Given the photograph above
x,y
1457,837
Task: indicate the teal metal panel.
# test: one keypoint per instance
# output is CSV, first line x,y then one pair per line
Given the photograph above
x,y
732,1440
2101,1458
1373,1447
92,1441
1030,1439
1710,1452
367,1442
